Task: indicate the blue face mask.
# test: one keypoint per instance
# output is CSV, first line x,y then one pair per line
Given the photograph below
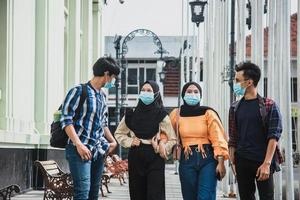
x,y
238,90
111,84
146,97
192,99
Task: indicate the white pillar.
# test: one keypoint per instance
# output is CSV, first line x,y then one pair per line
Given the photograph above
x,y
55,55
273,51
5,69
41,67
97,33
286,93
86,41
241,40
182,45
257,44
72,70
298,78
188,42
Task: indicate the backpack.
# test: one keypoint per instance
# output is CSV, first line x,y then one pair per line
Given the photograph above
x,y
58,136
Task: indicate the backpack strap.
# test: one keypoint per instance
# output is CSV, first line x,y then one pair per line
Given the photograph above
x,y
81,101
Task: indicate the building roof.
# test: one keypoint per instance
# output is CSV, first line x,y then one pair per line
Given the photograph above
x,y
266,39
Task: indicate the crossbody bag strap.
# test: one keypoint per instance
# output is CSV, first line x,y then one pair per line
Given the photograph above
x,y
177,126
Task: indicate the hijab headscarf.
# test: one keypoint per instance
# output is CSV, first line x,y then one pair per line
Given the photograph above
x,y
144,120
196,110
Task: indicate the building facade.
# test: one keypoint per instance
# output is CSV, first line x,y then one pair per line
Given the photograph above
x,y
46,47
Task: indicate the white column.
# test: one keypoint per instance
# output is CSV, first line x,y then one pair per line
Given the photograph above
x,y
298,78
5,70
72,71
257,44
206,60
86,41
41,67
22,44
188,42
272,76
55,56
194,48
97,12
241,40
286,93
182,45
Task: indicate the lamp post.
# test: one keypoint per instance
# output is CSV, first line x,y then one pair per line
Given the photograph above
x,y
197,8
161,75
161,66
117,46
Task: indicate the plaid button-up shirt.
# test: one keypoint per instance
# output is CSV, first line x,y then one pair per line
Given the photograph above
x,y
92,119
272,122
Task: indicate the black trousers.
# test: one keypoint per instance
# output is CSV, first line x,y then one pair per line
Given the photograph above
x,y
146,174
246,178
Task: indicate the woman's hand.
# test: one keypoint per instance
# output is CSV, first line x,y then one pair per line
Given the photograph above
x,y
221,170
163,151
135,142
154,142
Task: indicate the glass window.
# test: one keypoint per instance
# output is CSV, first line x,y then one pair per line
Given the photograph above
x,y
132,77
294,89
142,76
150,74
133,90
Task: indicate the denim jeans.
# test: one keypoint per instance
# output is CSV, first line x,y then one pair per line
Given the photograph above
x,y
86,174
198,175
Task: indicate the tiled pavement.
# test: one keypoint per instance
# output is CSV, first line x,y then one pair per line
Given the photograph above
x,y
119,192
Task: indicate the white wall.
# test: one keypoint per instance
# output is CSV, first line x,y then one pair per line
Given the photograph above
x,y
33,76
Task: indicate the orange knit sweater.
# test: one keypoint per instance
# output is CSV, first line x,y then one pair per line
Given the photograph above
x,y
199,130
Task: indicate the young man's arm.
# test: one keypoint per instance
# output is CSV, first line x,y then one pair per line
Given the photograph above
x,y
232,135
263,172
112,142
107,134
83,151
274,132
68,111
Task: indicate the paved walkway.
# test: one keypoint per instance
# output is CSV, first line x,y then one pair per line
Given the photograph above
x,y
119,192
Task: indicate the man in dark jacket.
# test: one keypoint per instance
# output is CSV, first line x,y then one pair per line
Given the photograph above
x,y
254,130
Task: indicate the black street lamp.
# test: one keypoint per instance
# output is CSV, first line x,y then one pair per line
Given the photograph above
x,y
197,8
162,75
249,7
117,46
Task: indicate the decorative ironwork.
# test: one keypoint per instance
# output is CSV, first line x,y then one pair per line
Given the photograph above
x,y
58,185
6,192
143,32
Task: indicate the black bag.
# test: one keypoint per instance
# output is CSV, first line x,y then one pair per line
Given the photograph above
x,y
58,136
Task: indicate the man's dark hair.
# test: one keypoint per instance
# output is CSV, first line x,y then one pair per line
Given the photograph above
x,y
251,71
105,64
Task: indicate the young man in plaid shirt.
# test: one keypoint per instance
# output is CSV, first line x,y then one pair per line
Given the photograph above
x,y
89,137
254,130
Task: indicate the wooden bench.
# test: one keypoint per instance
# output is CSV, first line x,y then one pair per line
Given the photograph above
x,y
58,184
6,192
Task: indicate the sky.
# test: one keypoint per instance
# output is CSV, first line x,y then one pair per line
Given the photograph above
x,y
163,17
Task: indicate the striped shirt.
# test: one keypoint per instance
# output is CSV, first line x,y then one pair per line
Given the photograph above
x,y
92,118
